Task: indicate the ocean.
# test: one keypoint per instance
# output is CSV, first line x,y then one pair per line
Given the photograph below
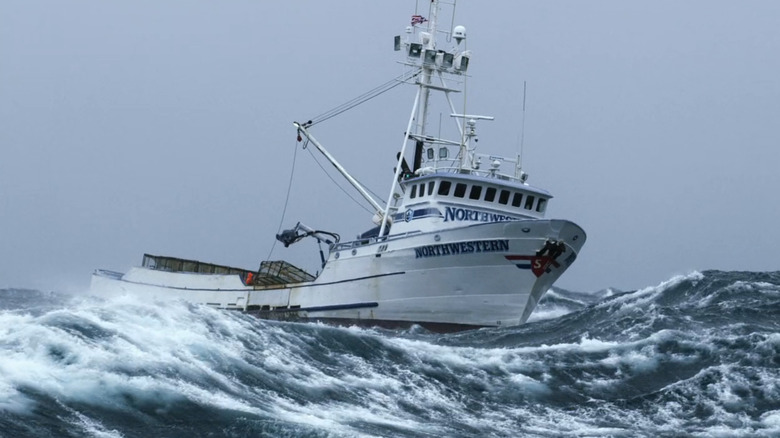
x,y
695,356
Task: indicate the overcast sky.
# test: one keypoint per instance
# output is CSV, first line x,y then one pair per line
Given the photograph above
x,y
166,127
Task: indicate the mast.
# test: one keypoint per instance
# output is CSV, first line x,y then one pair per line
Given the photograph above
x,y
427,69
423,55
427,51
423,94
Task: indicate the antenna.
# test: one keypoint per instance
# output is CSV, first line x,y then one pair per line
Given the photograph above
x,y
452,24
439,135
522,131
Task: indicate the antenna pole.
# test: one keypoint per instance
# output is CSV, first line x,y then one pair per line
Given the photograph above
x,y
522,138
522,126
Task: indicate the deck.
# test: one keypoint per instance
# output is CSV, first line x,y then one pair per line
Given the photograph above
x,y
271,273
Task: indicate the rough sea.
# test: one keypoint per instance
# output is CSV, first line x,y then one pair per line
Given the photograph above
x,y
697,355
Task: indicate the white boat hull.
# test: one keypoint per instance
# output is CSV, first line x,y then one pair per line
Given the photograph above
x,y
481,275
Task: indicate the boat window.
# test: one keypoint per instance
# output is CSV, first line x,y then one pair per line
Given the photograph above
x,y
430,153
541,205
414,192
503,198
442,153
444,188
475,192
430,188
422,190
460,190
517,199
529,202
490,194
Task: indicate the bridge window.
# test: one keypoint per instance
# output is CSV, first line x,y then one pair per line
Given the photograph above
x,y
503,198
460,190
490,194
529,203
541,205
430,188
444,188
476,191
517,199
414,192
422,190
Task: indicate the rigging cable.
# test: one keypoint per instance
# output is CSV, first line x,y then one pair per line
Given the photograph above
x,y
368,95
287,199
337,184
376,91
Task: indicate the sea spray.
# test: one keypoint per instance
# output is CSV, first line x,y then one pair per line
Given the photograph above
x,y
696,355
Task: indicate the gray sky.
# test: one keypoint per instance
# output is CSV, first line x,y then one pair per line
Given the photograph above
x,y
166,127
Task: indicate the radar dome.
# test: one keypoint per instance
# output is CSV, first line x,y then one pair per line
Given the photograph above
x,y
459,33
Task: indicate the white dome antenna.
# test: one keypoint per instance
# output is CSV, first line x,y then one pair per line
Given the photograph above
x,y
459,33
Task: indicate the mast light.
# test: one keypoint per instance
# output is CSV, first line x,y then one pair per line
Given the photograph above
x,y
415,49
430,57
444,59
462,61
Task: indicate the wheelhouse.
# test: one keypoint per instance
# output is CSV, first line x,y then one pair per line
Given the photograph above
x,y
450,200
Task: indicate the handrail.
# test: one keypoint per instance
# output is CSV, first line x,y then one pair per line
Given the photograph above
x,y
370,240
479,172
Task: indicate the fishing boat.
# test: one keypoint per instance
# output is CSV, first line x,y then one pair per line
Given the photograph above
x,y
460,242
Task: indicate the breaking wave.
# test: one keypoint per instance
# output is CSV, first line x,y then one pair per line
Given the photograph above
x,y
698,355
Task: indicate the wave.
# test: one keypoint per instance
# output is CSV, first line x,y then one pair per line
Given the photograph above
x,y
697,355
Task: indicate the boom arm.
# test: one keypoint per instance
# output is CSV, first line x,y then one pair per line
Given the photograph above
x,y
341,169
